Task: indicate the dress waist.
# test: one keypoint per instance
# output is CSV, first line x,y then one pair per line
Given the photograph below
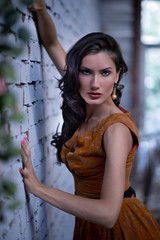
x,y
129,192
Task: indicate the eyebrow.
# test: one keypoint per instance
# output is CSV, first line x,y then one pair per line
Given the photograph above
x,y
104,69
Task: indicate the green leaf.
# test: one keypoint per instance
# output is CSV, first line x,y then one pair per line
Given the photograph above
x,y
5,138
9,152
11,50
8,111
7,147
8,187
17,50
13,151
26,2
4,157
6,70
4,6
10,17
5,47
23,34
17,117
14,205
2,3
9,99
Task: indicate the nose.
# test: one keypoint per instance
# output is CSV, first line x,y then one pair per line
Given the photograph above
x,y
95,82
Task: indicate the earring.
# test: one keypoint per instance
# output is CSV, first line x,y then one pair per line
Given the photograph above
x,y
114,95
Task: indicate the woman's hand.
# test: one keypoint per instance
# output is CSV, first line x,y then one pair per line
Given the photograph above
x,y
37,5
29,177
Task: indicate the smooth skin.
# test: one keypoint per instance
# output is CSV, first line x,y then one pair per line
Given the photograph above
x,y
48,35
96,77
117,139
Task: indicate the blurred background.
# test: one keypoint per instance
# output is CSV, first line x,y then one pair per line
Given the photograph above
x,y
136,26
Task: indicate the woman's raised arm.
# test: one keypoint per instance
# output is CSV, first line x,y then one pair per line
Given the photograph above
x,y
48,35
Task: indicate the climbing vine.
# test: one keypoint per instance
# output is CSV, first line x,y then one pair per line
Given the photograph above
x,y
9,113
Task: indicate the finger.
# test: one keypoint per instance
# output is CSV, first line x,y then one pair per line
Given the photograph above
x,y
25,159
23,155
25,148
21,170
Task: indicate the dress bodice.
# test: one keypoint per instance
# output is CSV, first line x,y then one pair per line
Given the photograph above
x,y
86,160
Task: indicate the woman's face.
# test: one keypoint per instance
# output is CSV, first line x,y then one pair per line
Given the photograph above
x,y
97,76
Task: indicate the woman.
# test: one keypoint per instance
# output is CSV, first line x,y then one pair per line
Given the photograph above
x,y
97,143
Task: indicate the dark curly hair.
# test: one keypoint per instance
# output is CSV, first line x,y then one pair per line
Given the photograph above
x,y
73,107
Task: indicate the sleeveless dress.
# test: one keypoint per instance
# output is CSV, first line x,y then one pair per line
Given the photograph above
x,y
85,158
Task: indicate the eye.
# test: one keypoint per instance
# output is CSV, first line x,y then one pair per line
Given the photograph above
x,y
105,73
84,72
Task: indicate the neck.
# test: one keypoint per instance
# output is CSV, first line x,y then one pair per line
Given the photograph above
x,y
99,111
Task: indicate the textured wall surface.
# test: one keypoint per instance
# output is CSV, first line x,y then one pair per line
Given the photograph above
x,y
38,98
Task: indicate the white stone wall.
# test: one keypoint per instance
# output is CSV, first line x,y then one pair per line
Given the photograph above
x,y
38,98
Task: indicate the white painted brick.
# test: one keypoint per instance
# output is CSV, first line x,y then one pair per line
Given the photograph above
x,y
35,72
25,123
37,152
33,93
38,98
52,124
52,92
36,132
33,136
52,108
25,54
27,99
36,113
32,29
14,129
39,91
35,54
18,93
51,73
21,7
28,233
50,3
16,68
45,58
24,72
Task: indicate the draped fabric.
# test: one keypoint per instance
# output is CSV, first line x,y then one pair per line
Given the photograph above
x,y
85,158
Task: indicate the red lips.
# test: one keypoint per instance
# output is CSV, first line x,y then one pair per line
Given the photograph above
x,y
94,94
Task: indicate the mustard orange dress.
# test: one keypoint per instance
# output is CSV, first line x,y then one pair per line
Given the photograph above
x,y
85,158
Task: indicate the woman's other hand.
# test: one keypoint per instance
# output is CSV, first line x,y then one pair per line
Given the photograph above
x,y
29,177
37,5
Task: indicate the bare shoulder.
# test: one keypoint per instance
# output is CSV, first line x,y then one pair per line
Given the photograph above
x,y
120,135
116,129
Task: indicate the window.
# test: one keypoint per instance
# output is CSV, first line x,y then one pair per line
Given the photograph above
x,y
150,38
